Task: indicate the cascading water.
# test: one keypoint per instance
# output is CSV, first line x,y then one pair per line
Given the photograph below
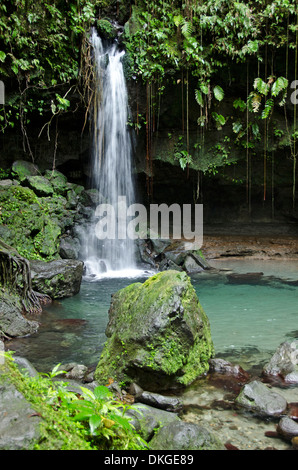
x,y
112,167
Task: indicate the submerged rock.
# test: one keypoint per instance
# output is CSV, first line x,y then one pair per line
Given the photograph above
x,y
158,334
247,278
224,367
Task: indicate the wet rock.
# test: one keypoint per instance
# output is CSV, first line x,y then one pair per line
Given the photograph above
x,y
135,390
77,372
12,321
40,185
69,248
293,410
160,401
199,259
160,244
147,419
159,334
191,266
287,428
184,436
4,184
292,378
58,278
283,362
22,169
25,366
224,367
19,425
258,398
145,252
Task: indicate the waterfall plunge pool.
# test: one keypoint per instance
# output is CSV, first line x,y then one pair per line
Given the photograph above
x,y
248,321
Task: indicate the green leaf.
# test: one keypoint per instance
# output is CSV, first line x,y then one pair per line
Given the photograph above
x,y
15,68
204,88
94,422
218,93
199,98
88,393
2,56
279,85
178,20
123,422
187,28
253,46
63,103
102,393
237,126
261,86
268,107
255,130
239,104
219,118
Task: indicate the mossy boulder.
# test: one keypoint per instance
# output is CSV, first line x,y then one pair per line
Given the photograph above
x,y
35,213
40,185
158,334
21,169
57,180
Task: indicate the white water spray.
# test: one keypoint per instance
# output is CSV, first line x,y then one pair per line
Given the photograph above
x,y
112,166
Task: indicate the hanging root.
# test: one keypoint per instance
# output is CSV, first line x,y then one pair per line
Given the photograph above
x,y
15,275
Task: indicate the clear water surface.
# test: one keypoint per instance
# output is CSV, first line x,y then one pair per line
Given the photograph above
x,y
247,321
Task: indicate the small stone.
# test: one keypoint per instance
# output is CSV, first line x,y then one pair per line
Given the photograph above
x,y
291,378
77,373
160,401
288,428
294,442
135,390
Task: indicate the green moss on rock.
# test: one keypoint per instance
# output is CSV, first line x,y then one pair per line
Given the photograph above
x,y
158,334
32,219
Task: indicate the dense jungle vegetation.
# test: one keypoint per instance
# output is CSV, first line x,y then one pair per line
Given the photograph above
x,y
206,48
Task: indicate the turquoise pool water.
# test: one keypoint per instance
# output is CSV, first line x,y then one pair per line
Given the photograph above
x,y
247,321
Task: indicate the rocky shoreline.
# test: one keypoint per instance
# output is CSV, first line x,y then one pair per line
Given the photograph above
x,y
227,409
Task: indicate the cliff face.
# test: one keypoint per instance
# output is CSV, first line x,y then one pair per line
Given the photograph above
x,y
234,183
237,164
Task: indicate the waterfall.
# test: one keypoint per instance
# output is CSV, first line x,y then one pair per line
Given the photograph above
x,y
112,153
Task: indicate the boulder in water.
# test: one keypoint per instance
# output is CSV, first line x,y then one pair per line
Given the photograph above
x,y
283,362
58,278
258,398
158,334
